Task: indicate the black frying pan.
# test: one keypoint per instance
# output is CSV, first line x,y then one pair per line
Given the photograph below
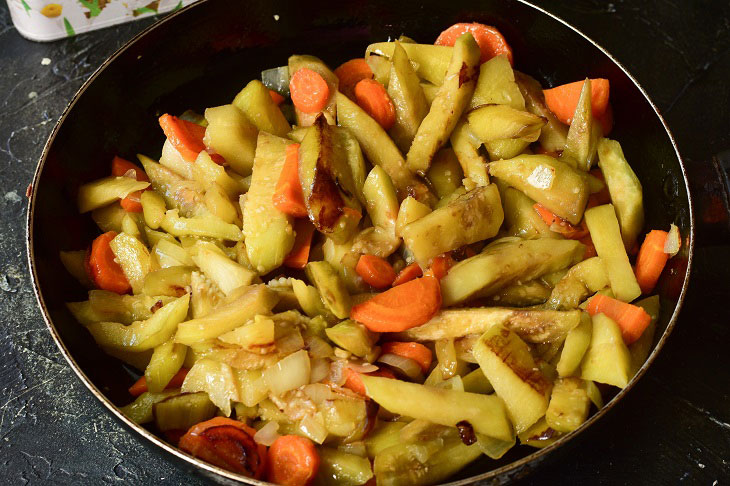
x,y
202,55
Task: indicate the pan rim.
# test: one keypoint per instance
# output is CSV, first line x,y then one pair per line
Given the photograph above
x,y
515,467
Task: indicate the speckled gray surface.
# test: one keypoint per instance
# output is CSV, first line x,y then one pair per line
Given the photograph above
x,y
674,426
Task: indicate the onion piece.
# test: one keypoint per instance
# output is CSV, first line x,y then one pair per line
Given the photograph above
x,y
277,79
290,343
267,434
313,429
674,241
319,393
320,368
404,366
362,367
337,372
289,373
318,347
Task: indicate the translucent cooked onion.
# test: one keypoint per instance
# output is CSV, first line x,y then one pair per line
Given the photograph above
x,y
318,347
289,373
290,343
337,372
277,79
313,429
267,434
406,366
319,393
362,367
674,241
319,371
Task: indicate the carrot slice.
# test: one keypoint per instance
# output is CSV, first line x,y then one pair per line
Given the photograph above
x,y
402,307
440,266
309,91
407,274
121,166
293,461
185,136
104,271
559,225
352,72
375,271
276,97
372,97
226,443
562,100
606,120
140,386
354,382
491,42
131,203
632,319
299,255
288,196
415,351
651,260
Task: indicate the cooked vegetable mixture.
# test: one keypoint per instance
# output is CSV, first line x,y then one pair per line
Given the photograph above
x,y
432,262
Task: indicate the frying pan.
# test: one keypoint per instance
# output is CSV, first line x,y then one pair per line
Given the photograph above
x,y
202,55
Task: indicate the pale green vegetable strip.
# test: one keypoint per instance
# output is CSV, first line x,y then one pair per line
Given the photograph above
x,y
179,193
166,361
408,99
503,263
153,208
550,182
625,189
450,102
496,85
208,226
582,280
607,359
475,216
606,235
140,410
142,335
231,135
575,346
380,149
554,133
433,61
381,200
133,257
569,405
105,191
269,235
533,325
465,147
242,305
485,413
256,103
509,366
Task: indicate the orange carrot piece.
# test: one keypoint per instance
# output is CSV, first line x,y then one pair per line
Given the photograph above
x,y
354,383
299,255
226,443
121,166
402,307
491,42
407,274
651,260
104,271
372,97
559,225
276,97
375,271
185,136
606,120
309,91
288,196
131,203
140,386
590,247
562,100
293,461
632,319
415,351
352,72
440,266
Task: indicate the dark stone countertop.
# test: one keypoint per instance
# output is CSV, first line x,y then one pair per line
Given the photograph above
x,y
674,427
